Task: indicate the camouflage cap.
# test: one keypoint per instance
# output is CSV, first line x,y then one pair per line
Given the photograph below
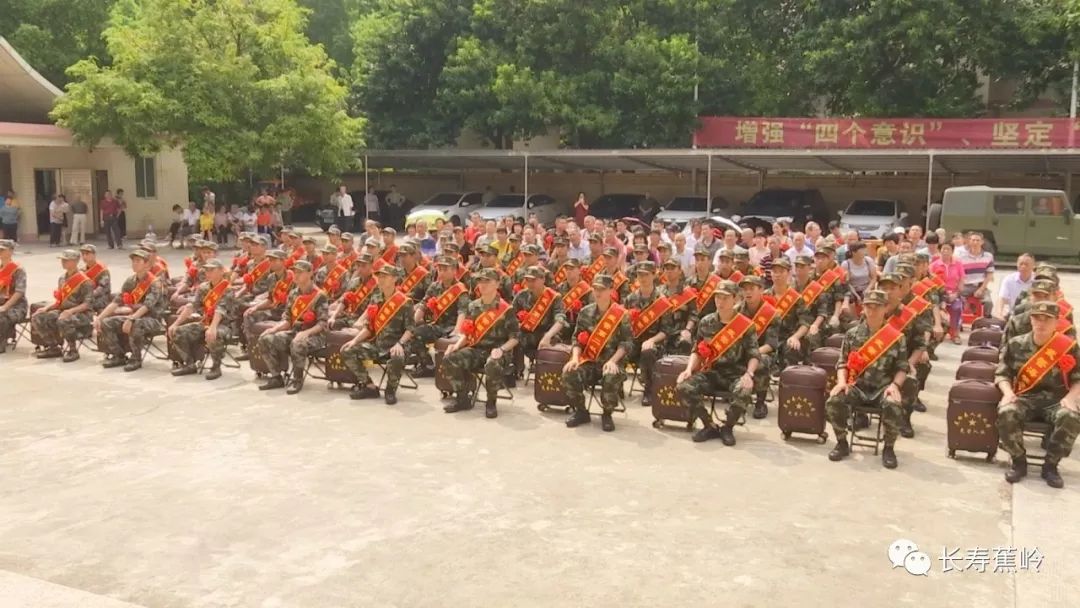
x,y
891,277
365,258
245,236
701,251
212,264
139,253
534,272
445,260
875,297
905,270
723,254
752,280
603,281
302,266
595,237
328,249
192,238
452,246
407,249
69,254
561,242
611,252
88,248
277,254
334,230
389,230
486,274
906,258
671,263
373,242
664,245
742,254
289,231
727,288
1046,309
529,249
804,260
347,236
211,245
488,250
308,239
782,262
390,270
922,258
572,263
1043,286
641,249
825,248
150,246
646,267
514,238
260,240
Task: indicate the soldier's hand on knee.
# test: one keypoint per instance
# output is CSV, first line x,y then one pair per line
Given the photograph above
x,y
211,335
571,365
397,352
126,327
171,331
545,343
496,354
610,368
683,376
647,345
892,392
746,382
793,343
1011,399
1070,403
64,315
839,389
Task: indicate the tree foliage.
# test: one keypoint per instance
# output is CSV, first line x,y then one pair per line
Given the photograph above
x,y
235,83
54,34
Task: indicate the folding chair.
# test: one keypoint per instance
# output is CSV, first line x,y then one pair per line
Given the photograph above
x,y
635,380
407,381
478,383
864,440
154,350
20,332
1040,431
723,398
594,397
227,360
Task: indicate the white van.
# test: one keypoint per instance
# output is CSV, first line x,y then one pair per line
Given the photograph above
x,y
682,209
544,206
453,207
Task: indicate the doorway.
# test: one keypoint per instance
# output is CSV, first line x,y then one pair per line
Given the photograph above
x,y
44,192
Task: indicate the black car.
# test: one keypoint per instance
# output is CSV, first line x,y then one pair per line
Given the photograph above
x,y
798,206
617,206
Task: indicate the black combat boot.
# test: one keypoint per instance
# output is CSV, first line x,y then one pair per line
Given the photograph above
x,y
462,402
214,372
760,409
707,433
490,411
841,451
390,395
919,406
1018,470
727,432
578,416
366,391
50,353
888,457
1051,475
273,382
188,369
606,423
296,384
646,401
510,381
425,368
905,425
133,363
112,361
71,355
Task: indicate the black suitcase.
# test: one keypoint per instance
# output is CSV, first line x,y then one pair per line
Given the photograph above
x,y
835,340
983,322
976,370
336,372
441,381
972,418
258,364
826,358
665,401
548,371
802,401
987,336
980,353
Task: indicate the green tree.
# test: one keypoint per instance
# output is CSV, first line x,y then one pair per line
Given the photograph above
x,y
234,82
53,34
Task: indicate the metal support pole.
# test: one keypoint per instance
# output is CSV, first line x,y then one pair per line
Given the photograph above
x,y
929,189
366,186
526,177
708,184
1072,101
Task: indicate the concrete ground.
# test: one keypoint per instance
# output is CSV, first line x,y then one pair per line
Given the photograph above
x,y
142,489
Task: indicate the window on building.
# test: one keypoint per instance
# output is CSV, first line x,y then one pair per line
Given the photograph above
x,y
145,178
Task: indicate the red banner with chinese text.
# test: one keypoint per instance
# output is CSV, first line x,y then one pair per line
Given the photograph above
x,y
887,133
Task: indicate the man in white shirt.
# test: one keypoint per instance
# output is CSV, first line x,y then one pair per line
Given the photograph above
x,y
579,247
191,219
346,209
395,206
1015,284
798,247
813,233
683,253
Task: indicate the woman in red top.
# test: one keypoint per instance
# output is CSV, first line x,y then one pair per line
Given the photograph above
x,y
581,209
951,271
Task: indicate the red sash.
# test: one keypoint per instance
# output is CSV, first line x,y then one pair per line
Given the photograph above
x,y
539,310
924,286
619,279
159,267
390,255
514,264
387,311
602,333
1064,308
593,269
140,290
560,274
257,272
6,275
295,256
413,279
1045,359
812,292
333,277
240,262
349,259
650,315
211,299
446,300
487,319
877,345
785,304
95,270
301,304
377,264
576,292
74,282
706,292
682,299
765,315
280,292
726,338
831,276
361,293
908,313
461,271
736,276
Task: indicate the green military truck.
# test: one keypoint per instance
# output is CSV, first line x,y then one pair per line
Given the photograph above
x,y
1013,220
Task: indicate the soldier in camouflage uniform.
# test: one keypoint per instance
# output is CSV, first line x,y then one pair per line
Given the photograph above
x,y
793,326
139,321
1019,323
753,292
831,301
67,319
649,345
99,275
530,257
726,265
572,307
640,254
732,372
607,365
249,288
702,271
938,314
269,306
409,258
742,261
347,309
877,385
13,304
489,258
612,268
511,252
917,334
1044,271
426,328
488,352
550,325
214,328
295,338
560,253
387,345
194,276
680,341
330,255
1053,398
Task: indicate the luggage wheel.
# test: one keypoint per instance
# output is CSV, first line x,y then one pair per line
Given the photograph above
x,y
445,395
786,435
657,424
823,437
542,407
952,454
990,456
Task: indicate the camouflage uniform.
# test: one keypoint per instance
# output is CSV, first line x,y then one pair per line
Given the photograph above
x,y
575,383
917,335
679,320
276,309
102,291
17,313
348,314
869,387
431,330
771,338
190,336
564,288
111,341
723,376
1042,402
417,292
506,287
281,348
823,306
646,360
377,348
459,365
529,341
700,312
53,330
798,316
